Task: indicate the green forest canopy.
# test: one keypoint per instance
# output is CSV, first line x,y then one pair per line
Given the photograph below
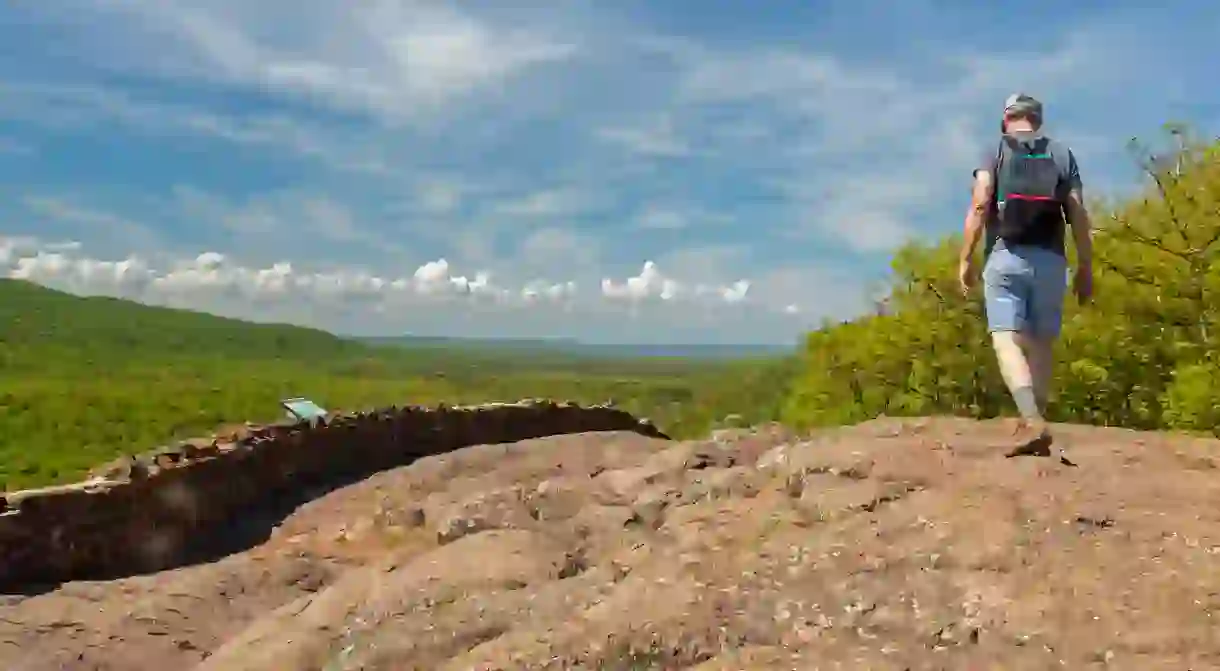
x,y
1143,354
83,380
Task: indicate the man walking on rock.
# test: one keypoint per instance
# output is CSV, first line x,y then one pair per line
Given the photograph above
x,y
1026,193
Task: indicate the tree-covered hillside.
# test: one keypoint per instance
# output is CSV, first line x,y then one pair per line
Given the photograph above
x,y
83,380
1143,354
36,322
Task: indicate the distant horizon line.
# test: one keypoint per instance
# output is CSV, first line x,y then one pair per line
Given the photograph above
x,y
570,340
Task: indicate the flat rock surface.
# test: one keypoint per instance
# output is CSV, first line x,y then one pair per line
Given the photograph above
x,y
908,544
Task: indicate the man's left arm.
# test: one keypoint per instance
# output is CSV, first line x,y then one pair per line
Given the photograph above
x,y
1078,216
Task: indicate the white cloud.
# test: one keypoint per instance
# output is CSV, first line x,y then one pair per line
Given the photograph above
x,y
735,292
651,283
394,59
540,289
211,279
89,275
214,282
434,277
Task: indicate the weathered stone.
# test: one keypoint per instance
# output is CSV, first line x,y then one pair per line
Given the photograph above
x,y
558,498
841,553
496,509
621,486
109,522
650,505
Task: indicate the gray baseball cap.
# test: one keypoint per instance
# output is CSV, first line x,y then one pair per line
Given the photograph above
x,y
1021,103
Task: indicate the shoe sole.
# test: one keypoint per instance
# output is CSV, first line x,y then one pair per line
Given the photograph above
x,y
1037,447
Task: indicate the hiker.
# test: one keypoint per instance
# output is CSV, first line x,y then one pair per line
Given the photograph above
x,y
1026,193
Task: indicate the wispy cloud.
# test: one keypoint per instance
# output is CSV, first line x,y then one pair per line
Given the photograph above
x,y
660,218
392,59
546,203
90,222
283,290
657,138
439,196
562,145
91,109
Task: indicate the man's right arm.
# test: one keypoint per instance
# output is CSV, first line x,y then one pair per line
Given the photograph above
x,y
980,205
976,216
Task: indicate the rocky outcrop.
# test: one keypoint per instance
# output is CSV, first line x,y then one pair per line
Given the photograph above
x,y
142,513
894,544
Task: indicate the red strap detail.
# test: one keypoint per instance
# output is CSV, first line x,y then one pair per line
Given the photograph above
x,y
1018,196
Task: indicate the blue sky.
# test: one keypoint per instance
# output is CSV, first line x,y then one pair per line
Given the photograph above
x,y
631,171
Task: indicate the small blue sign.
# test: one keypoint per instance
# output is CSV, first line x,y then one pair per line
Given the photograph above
x,y
303,409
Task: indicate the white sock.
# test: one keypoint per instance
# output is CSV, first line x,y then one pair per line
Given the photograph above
x,y
1027,403
1017,376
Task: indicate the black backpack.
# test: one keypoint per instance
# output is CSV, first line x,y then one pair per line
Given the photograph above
x,y
1029,206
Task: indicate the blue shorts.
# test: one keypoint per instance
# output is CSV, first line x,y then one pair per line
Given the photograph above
x,y
1024,288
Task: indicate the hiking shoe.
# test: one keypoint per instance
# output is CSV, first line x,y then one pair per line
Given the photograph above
x,y
1033,439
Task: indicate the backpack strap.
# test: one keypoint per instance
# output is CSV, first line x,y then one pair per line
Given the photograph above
x,y
993,209
1036,145
999,160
